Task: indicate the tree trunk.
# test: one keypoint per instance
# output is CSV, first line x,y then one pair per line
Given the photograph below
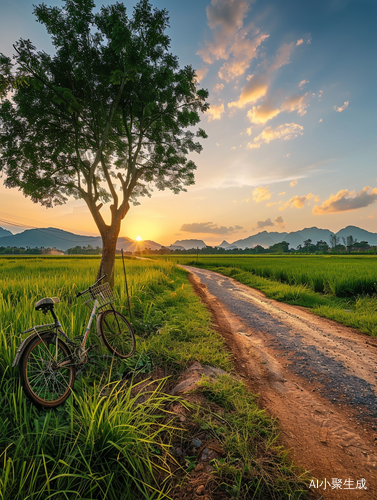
x,y
109,242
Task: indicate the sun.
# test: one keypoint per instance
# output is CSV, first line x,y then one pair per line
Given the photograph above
x,y
138,238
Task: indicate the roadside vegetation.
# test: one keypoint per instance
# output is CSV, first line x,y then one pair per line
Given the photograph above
x,y
106,442
343,288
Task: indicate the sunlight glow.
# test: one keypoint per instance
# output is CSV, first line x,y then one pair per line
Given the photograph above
x,y
138,238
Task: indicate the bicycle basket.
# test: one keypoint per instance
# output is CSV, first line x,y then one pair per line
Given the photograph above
x,y
102,293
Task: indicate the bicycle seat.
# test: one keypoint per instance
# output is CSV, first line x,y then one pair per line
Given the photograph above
x,y
47,303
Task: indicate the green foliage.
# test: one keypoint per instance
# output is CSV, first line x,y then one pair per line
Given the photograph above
x,y
106,117
111,94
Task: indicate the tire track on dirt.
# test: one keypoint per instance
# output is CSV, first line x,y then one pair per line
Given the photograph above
x,y
317,377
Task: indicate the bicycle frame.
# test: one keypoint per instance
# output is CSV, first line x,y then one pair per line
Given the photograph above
x,y
85,337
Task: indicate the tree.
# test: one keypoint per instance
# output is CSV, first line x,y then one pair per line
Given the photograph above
x,y
322,246
106,118
282,247
334,240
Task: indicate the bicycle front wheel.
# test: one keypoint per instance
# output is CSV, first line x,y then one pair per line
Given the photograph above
x,y
47,376
117,333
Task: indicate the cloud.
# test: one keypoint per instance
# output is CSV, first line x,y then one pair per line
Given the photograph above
x,y
265,112
264,223
286,131
303,82
282,56
255,88
208,227
279,221
257,85
281,194
296,103
300,42
297,201
345,201
341,108
268,223
201,73
262,113
215,112
231,41
293,183
271,204
261,194
218,88
243,51
227,14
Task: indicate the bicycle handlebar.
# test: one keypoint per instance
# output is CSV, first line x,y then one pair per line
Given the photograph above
x,y
78,294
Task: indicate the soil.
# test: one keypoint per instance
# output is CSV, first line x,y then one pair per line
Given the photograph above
x,y
315,376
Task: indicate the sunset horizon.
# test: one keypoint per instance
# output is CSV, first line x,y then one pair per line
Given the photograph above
x,y
291,140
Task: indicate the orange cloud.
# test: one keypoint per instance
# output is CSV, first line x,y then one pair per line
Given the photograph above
x,y
297,201
242,51
261,194
218,88
257,85
231,41
215,112
262,113
341,108
255,88
201,73
345,201
296,103
293,183
286,131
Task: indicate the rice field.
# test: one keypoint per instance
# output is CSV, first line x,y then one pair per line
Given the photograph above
x,y
340,276
342,288
100,444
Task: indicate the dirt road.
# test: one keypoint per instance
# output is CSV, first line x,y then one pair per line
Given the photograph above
x,y
317,377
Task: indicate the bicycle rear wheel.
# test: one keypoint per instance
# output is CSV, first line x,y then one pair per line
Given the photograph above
x,y
117,333
45,382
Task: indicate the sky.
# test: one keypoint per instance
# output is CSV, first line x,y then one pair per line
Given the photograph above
x,y
291,126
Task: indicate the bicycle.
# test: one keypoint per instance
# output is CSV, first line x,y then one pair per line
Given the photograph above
x,y
49,359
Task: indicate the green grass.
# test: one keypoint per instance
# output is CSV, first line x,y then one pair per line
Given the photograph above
x,y
249,438
113,447
342,288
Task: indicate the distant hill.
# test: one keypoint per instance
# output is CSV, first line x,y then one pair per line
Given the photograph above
x,y
309,233
51,237
295,238
4,232
226,245
358,233
188,244
264,239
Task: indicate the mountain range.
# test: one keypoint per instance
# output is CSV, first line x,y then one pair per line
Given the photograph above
x,y
51,237
57,238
